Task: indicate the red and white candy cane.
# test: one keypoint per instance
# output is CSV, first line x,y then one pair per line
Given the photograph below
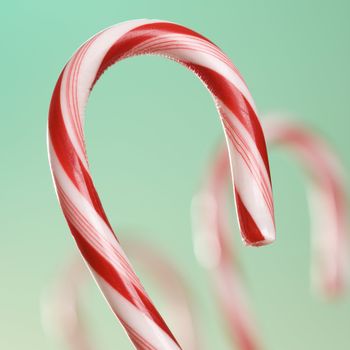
x,y
76,192
61,307
327,199
213,246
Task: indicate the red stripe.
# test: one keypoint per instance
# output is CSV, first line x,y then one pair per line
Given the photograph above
x,y
123,45
163,46
107,272
216,83
81,178
102,266
74,93
89,231
67,155
236,102
248,225
155,314
59,137
242,148
162,28
161,43
138,35
140,342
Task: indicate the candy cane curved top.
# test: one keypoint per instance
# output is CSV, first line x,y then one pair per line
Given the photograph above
x,y
213,245
62,312
75,189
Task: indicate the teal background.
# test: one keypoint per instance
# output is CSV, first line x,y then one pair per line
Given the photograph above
x,y
151,127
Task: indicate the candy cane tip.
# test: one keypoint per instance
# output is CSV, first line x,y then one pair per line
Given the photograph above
x,y
260,243
255,237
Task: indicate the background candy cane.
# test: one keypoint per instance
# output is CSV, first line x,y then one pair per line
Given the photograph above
x,y
75,189
328,204
61,307
327,199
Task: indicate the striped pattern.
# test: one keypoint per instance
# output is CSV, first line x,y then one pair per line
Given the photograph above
x,y
76,192
62,313
328,214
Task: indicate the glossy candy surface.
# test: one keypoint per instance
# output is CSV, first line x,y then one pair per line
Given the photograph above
x,y
77,194
64,315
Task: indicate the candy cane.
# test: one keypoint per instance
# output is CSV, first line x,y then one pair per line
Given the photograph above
x,y
213,250
328,202
328,216
61,307
74,186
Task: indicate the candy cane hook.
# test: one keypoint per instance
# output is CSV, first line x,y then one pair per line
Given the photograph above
x,y
61,308
75,189
328,216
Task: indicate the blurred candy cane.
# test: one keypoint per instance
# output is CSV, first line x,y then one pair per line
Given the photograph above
x,y
61,305
77,195
213,246
327,199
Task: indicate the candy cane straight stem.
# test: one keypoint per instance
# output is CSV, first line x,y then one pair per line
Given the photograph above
x,y
77,195
62,307
213,245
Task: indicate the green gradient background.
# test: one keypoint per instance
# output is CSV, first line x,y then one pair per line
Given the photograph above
x,y
147,156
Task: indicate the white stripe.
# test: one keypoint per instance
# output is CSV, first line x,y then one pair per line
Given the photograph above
x,y
96,52
87,74
246,184
137,320
252,148
103,240
205,59
252,197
